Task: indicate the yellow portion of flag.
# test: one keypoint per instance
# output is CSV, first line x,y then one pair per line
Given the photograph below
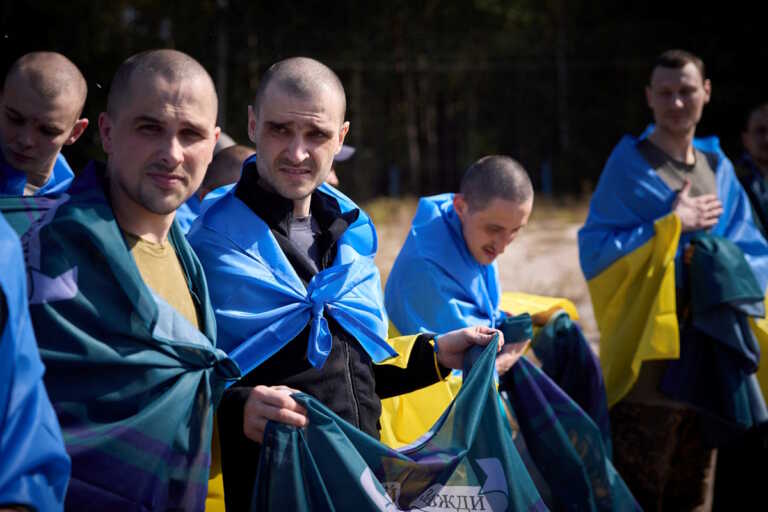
x,y
635,308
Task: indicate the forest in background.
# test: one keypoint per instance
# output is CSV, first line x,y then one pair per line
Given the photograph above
x,y
431,85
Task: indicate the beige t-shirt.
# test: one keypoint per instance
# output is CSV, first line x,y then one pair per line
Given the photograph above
x,y
701,173
161,270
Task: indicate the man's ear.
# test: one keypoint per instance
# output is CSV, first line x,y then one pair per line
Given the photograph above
x,y
343,133
252,122
460,205
105,132
707,90
77,130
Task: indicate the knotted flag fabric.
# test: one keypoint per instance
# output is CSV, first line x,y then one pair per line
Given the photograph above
x,y
262,304
466,461
34,466
133,383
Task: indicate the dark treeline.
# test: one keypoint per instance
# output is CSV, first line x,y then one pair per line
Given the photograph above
x,y
431,85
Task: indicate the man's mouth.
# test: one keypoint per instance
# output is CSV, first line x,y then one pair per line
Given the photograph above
x,y
20,157
166,181
489,252
295,171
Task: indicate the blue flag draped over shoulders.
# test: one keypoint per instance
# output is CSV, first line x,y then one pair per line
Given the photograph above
x,y
435,283
261,304
13,181
34,467
619,223
133,383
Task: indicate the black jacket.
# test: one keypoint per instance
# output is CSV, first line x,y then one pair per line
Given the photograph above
x,y
348,383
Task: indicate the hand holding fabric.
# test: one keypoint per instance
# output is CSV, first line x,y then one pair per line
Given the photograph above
x,y
701,212
509,355
271,403
452,345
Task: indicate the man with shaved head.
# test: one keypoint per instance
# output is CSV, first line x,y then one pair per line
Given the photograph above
x,y
446,276
289,262
42,100
677,272
119,301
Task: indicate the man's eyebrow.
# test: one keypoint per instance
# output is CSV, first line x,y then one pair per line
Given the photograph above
x,y
146,119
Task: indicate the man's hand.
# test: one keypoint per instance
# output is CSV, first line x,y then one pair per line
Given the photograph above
x,y
452,345
271,403
697,213
509,355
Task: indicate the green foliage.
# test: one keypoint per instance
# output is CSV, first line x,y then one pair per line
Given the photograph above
x,y
432,85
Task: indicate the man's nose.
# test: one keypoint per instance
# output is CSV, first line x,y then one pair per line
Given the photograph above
x,y
297,150
172,152
25,138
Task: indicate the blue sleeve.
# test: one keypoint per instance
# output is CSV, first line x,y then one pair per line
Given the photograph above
x,y
34,466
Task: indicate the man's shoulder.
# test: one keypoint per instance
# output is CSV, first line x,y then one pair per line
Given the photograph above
x,y
226,217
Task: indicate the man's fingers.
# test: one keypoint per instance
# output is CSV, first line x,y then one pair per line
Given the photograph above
x,y
281,414
278,396
686,187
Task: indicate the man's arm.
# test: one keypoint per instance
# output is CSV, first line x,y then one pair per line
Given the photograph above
x,y
275,403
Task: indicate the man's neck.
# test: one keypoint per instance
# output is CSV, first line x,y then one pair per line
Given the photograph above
x,y
138,221
679,147
301,207
38,178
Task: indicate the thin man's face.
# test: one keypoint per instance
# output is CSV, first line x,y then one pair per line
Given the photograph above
x,y
296,139
488,232
677,98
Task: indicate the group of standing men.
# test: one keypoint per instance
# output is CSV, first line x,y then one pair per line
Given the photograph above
x,y
122,310
145,332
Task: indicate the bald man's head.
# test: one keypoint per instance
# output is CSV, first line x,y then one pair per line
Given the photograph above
x,y
301,77
51,75
171,65
42,98
495,176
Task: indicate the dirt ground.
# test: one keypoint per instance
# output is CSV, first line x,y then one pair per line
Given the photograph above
x,y
543,260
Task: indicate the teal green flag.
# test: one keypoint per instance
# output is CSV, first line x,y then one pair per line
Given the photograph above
x,y
467,461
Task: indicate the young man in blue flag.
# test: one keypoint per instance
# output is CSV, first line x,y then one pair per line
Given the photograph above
x,y
119,301
446,277
297,295
35,467
677,272
40,106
